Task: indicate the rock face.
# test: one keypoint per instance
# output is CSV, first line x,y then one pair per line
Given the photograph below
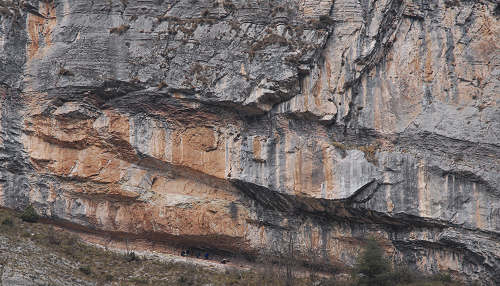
x,y
249,126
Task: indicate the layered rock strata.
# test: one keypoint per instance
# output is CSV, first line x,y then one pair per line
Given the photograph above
x,y
254,126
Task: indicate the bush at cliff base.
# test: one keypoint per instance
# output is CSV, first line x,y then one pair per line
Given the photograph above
x,y
373,268
29,214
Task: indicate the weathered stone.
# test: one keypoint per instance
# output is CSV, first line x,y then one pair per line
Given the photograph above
x,y
234,126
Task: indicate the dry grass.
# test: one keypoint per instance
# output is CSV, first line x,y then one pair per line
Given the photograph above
x,y
268,40
369,150
162,84
102,266
235,25
340,145
105,267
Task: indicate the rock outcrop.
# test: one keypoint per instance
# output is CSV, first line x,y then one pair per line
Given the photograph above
x,y
249,126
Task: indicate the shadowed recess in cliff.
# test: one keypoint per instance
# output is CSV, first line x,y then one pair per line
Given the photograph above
x,y
216,244
352,209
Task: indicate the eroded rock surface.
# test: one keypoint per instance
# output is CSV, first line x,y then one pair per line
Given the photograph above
x,y
245,126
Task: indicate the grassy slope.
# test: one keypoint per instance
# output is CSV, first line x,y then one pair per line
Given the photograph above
x,y
42,255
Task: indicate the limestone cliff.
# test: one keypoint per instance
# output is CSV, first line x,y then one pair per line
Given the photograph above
x,y
245,126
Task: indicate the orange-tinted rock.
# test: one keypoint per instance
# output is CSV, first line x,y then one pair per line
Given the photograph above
x,y
322,125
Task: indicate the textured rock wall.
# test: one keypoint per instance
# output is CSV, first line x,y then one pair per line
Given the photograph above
x,y
245,126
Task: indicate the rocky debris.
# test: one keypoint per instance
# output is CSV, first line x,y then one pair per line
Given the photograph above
x,y
233,124
29,264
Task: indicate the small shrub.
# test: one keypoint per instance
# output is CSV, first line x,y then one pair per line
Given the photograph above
x,y
108,277
70,246
323,23
452,3
119,30
183,280
340,145
52,237
326,20
65,72
130,256
162,85
8,222
276,10
265,42
404,275
71,240
139,280
85,269
29,214
205,13
69,251
5,11
370,152
443,277
228,5
235,25
196,68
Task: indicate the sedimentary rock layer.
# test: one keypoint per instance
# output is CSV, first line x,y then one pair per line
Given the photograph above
x,y
252,126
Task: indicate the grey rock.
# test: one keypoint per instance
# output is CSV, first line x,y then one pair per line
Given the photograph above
x,y
329,120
